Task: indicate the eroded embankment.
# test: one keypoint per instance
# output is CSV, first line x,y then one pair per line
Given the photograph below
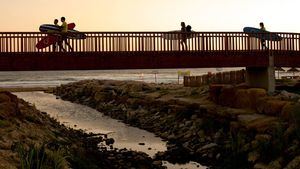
x,y
31,139
196,128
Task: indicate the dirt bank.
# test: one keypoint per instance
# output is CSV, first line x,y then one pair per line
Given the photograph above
x,y
198,129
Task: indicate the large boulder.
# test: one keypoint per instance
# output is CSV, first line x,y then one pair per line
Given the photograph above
x,y
227,96
270,106
247,98
215,92
257,122
291,112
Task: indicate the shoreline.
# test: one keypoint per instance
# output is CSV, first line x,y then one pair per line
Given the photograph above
x,y
26,89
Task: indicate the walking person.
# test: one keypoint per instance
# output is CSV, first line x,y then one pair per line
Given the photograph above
x,y
64,33
263,41
58,38
183,36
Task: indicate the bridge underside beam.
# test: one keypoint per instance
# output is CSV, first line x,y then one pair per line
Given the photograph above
x,y
139,60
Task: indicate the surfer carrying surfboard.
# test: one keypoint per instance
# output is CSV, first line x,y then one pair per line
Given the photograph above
x,y
263,41
64,31
58,41
185,34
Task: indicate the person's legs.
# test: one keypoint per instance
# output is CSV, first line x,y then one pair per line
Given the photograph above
x,y
54,47
183,44
65,39
66,42
60,41
55,44
263,44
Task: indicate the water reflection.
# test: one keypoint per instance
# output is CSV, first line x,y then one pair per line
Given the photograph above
x,y
82,117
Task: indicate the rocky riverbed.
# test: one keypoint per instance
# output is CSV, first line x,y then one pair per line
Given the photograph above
x,y
31,138
219,126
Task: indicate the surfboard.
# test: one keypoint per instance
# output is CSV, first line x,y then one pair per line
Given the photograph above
x,y
53,38
74,34
54,28
264,35
47,41
176,35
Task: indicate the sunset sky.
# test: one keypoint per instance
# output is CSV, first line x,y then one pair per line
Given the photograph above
x,y
152,15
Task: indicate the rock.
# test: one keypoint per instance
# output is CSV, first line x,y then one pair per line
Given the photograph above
x,y
218,156
276,164
186,145
247,98
99,96
228,96
290,112
207,147
288,95
263,138
260,166
253,156
201,134
242,99
294,164
188,134
289,133
142,144
248,118
157,162
219,136
194,117
260,123
215,92
274,107
109,141
171,137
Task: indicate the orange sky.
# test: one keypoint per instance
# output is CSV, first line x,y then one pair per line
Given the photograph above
x,y
151,15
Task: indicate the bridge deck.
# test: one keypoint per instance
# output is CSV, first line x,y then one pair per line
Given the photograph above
x,y
142,50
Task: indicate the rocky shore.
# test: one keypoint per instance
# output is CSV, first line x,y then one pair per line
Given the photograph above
x,y
220,126
31,139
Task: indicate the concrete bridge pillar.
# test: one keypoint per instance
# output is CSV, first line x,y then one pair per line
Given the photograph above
x,y
262,77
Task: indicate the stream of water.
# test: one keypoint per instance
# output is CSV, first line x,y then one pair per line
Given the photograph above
x,y
83,117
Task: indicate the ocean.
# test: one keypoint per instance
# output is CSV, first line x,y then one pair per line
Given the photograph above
x,y
56,78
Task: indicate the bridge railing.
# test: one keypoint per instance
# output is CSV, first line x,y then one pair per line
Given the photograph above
x,y
151,41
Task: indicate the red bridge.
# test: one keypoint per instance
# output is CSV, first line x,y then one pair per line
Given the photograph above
x,y
147,50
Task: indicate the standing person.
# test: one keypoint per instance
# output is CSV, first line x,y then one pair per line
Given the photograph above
x,y
263,41
58,37
64,31
183,36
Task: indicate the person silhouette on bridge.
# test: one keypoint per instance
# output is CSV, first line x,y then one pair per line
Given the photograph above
x,y
58,38
263,41
183,36
188,31
64,33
